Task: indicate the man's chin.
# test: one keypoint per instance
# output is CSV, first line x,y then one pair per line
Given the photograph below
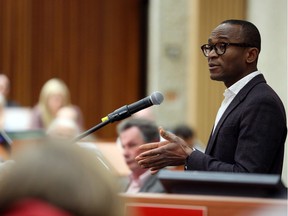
x,y
215,77
134,167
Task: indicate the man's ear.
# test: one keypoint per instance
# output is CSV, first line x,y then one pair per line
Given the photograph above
x,y
252,55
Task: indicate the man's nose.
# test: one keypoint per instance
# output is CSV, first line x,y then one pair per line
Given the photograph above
x,y
212,54
126,153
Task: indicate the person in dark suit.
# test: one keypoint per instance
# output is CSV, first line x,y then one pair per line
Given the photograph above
x,y
132,133
250,128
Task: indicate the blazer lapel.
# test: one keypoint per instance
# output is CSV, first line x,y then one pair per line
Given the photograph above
x,y
236,101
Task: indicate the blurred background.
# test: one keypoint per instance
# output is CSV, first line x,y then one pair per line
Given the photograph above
x,y
111,53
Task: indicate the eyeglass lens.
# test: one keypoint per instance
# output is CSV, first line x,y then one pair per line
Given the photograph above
x,y
219,48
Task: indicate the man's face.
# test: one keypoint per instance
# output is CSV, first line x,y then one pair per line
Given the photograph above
x,y
4,86
231,66
131,139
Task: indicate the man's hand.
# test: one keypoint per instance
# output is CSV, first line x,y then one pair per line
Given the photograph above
x,y
171,152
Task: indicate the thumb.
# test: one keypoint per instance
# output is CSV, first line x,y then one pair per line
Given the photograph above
x,y
167,135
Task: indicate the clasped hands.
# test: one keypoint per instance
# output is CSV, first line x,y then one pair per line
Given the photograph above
x,y
171,152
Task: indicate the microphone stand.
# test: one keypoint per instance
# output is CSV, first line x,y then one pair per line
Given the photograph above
x,y
91,130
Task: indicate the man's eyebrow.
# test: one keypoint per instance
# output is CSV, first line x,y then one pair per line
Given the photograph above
x,y
220,37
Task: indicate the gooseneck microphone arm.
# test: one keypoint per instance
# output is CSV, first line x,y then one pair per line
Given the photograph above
x,y
89,131
125,111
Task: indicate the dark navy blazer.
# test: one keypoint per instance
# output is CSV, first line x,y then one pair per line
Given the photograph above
x,y
250,135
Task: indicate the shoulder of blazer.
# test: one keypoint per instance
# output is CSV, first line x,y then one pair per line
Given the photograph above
x,y
237,100
243,93
250,85
150,183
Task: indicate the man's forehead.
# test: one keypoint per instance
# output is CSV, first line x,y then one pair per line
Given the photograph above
x,y
226,32
132,133
133,129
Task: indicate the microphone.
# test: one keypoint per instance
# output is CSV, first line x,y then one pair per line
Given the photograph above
x,y
125,111
155,98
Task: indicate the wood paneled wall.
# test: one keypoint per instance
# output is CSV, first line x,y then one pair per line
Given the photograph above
x,y
93,45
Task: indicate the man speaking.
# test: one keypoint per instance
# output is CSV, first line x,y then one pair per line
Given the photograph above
x,y
250,127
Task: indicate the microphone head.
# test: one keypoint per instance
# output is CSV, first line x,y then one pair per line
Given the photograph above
x,y
156,98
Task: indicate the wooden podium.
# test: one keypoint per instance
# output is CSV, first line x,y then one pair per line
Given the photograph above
x,y
149,204
153,204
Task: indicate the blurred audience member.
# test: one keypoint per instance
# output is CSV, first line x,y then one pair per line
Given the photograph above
x,y
58,180
63,129
64,126
5,90
2,111
188,135
68,112
146,114
5,146
5,167
53,96
134,132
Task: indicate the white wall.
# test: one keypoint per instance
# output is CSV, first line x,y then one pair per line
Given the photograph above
x,y
271,19
167,58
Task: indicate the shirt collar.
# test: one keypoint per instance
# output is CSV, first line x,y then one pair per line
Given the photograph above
x,y
236,87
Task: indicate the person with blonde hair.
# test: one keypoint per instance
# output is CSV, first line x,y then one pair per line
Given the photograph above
x,y
53,96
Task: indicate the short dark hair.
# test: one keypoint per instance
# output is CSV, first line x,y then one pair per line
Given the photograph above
x,y
184,131
148,128
250,32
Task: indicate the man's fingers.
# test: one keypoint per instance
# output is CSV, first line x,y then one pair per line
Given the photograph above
x,y
167,135
153,163
149,146
150,149
147,161
147,154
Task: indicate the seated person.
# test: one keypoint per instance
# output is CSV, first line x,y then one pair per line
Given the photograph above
x,y
188,135
132,133
63,129
53,96
5,90
146,113
2,112
67,112
65,180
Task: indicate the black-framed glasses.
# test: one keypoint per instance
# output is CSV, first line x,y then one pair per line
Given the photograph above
x,y
220,47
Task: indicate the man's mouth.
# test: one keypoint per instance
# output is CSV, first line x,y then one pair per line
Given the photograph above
x,y
213,66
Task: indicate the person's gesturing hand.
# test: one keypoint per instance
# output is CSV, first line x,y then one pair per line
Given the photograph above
x,y
171,152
